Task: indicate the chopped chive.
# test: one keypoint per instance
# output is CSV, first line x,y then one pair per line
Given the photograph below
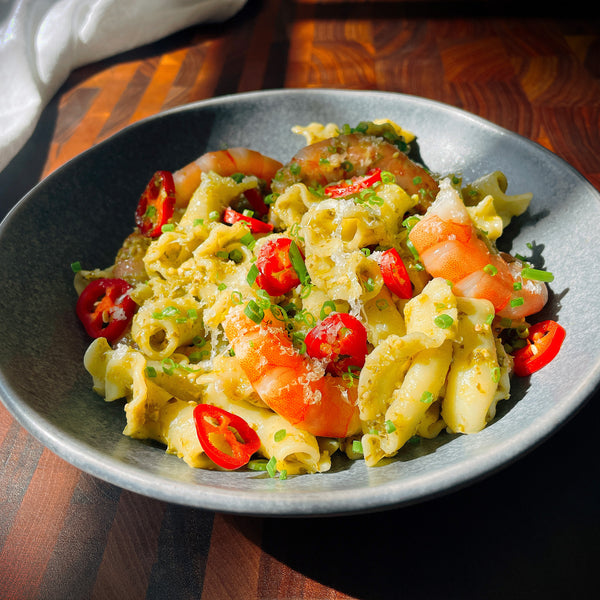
x,y
389,426
279,435
248,240
198,222
298,263
167,227
76,266
496,374
381,304
150,371
369,284
443,321
258,464
222,286
192,313
417,180
283,474
168,366
253,273
490,319
517,285
236,297
236,255
254,311
517,301
427,397
213,215
327,308
357,446
490,269
537,274
272,466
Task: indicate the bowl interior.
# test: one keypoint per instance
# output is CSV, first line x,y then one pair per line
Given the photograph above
x,y
84,210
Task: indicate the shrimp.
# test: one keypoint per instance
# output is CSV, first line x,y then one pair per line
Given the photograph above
x,y
224,163
291,384
449,247
353,154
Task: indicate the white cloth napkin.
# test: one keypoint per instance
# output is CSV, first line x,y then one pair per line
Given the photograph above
x,y
42,41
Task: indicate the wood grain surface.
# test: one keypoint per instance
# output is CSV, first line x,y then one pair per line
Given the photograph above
x,y
530,531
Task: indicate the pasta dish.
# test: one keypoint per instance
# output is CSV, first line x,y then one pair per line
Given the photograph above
x,y
266,316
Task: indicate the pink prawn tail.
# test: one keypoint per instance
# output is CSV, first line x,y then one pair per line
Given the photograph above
x,y
292,385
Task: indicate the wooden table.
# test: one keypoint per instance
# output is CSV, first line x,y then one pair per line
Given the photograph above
x,y
530,531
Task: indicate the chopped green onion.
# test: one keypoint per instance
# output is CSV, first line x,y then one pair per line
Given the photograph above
x,y
389,426
192,313
283,474
236,297
369,284
490,269
280,435
496,374
427,397
327,308
298,263
417,180
258,464
443,321
76,266
381,304
167,227
517,301
197,222
357,446
517,285
254,311
490,319
248,240
537,274
168,366
236,255
272,466
295,168
222,286
253,273
213,215
150,371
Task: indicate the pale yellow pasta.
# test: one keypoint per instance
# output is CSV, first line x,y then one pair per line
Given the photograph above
x,y
382,317
474,375
291,205
420,387
213,195
495,185
163,324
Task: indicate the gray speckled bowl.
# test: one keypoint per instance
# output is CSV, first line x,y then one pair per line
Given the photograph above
x,y
84,210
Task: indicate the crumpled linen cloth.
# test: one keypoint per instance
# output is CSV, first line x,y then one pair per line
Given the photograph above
x,y
42,41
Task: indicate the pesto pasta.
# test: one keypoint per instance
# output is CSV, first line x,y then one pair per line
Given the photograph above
x,y
345,302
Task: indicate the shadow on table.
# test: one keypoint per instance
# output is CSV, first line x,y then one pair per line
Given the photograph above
x,y
530,531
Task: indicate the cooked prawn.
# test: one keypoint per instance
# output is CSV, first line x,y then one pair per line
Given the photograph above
x,y
448,245
291,384
224,163
353,154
